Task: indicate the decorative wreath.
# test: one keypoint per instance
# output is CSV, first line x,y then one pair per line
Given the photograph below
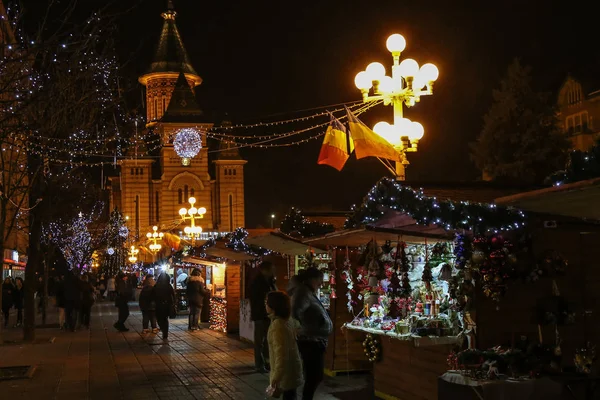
x,y
371,346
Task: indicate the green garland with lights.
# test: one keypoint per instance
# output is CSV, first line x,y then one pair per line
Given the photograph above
x,y
295,221
388,194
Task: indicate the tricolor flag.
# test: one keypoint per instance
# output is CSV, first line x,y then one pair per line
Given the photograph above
x,y
367,142
334,151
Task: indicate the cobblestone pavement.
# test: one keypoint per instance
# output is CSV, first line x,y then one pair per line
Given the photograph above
x,y
104,364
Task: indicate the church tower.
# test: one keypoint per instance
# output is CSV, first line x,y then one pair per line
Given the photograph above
x,y
169,61
229,193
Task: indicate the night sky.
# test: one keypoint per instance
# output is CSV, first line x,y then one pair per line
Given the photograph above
x,y
277,57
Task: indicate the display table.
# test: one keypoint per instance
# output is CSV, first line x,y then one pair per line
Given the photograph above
x,y
409,366
453,385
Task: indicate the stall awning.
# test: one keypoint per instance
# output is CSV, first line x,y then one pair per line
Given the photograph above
x,y
228,254
579,199
199,261
361,236
281,243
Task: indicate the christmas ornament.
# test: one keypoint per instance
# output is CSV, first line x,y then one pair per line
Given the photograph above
x,y
187,143
110,251
123,231
371,347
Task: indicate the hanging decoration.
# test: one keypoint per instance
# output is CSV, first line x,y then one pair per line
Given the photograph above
x,y
346,275
187,143
450,215
371,347
237,242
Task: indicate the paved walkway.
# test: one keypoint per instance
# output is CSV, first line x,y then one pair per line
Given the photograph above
x,y
104,364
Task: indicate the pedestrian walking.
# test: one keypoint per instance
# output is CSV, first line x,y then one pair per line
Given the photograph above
x,y
61,301
148,305
196,290
286,366
110,288
315,327
7,298
39,294
87,301
295,282
18,297
72,300
262,284
164,296
123,291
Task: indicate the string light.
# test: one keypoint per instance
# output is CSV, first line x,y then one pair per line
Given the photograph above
x,y
389,194
218,314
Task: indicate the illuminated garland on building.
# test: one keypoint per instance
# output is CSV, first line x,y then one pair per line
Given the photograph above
x,y
218,314
295,221
389,194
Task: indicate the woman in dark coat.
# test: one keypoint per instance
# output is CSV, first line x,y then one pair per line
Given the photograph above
x,y
195,293
61,301
163,295
18,297
72,300
148,305
87,300
7,298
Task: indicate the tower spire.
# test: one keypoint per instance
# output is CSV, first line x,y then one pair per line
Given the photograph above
x,y
170,14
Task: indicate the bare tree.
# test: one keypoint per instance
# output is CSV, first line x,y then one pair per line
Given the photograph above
x,y
60,111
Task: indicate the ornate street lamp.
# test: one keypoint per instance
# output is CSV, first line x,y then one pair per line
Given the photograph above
x,y
406,86
192,214
133,252
154,237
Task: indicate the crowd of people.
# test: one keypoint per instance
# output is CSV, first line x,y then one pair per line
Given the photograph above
x,y
291,331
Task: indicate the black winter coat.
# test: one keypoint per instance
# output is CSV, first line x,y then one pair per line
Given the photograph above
x,y
7,295
60,294
124,292
196,291
259,289
163,295
18,296
147,303
87,294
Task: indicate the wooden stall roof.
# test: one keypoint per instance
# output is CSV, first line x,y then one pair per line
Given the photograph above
x,y
229,254
200,261
392,227
578,199
281,243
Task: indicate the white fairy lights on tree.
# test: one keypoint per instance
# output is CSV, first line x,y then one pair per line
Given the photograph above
x,y
74,241
187,143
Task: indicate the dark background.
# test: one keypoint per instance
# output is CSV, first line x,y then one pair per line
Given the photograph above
x,y
277,57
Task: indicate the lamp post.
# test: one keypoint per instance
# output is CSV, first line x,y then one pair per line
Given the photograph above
x,y
154,237
272,220
133,252
405,87
192,214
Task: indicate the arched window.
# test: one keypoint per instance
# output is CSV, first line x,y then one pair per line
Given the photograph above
x,y
234,171
137,170
131,171
185,192
230,212
137,215
192,192
141,171
155,108
226,170
156,205
180,196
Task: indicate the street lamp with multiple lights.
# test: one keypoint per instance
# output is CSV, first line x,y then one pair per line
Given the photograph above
x,y
133,252
154,237
192,214
406,86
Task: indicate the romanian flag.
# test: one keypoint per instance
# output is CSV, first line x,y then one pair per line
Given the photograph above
x,y
367,142
334,151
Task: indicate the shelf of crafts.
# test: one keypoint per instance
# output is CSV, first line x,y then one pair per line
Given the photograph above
x,y
408,366
418,341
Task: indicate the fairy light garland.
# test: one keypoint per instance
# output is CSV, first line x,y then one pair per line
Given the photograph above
x,y
218,314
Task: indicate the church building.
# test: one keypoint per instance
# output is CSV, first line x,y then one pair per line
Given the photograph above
x,y
151,190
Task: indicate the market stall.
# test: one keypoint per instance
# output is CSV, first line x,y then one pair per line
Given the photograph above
x,y
282,251
222,275
379,272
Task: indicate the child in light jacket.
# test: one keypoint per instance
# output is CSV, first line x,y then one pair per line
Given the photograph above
x,y
286,365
